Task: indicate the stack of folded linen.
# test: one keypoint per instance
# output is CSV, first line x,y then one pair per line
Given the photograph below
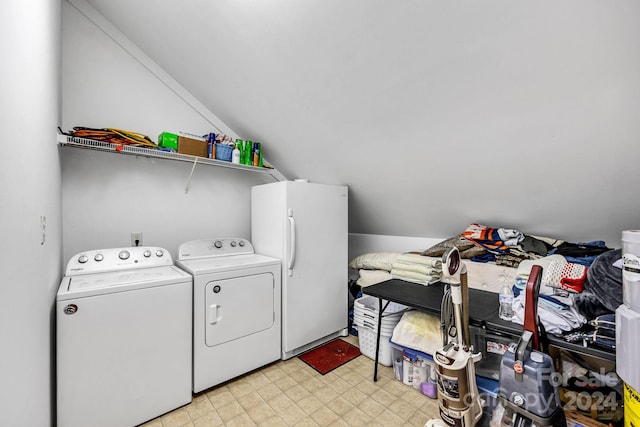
x,y
417,268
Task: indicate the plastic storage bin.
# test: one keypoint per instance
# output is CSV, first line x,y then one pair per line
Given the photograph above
x,y
365,320
418,369
492,345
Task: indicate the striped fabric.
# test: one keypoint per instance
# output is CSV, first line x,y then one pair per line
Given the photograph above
x,y
486,237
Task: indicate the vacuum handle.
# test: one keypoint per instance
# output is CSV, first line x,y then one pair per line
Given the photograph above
x,y
464,289
518,361
531,305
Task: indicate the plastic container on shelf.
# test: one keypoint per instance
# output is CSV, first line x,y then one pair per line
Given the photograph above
x,y
224,152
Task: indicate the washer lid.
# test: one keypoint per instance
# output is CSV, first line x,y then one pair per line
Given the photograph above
x,y
120,281
225,263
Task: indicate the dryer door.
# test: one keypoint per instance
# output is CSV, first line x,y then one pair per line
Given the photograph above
x,y
238,307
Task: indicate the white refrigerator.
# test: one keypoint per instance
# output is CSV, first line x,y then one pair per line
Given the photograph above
x,y
305,226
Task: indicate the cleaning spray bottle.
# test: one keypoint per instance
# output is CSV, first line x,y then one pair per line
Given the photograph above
x,y
240,149
235,155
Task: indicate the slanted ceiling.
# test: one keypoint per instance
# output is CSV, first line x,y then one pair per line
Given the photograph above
x,y
436,114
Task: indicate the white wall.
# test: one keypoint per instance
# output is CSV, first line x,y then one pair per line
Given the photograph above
x,y
435,113
105,85
106,196
30,176
365,243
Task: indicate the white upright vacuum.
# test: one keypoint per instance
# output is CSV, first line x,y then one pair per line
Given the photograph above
x,y
458,396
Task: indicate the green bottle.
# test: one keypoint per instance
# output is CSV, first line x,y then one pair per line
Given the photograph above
x,y
239,147
247,152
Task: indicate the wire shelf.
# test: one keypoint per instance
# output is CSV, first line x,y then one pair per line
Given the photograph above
x,y
71,141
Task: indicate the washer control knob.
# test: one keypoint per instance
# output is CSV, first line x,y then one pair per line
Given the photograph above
x,y
82,259
241,243
124,255
98,257
217,244
233,243
146,253
159,253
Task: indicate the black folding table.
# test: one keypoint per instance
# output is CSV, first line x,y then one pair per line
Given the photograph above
x,y
483,312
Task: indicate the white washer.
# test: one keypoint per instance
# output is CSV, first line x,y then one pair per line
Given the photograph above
x,y
123,337
236,308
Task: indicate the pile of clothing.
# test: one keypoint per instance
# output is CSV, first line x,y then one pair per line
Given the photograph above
x,y
417,268
560,282
507,246
580,281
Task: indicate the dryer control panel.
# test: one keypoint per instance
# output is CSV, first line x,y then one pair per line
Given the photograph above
x,y
114,259
207,248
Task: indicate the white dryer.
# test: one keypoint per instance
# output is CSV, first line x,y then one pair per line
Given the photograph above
x,y
236,308
123,337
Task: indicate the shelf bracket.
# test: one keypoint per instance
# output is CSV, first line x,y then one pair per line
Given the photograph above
x,y
193,168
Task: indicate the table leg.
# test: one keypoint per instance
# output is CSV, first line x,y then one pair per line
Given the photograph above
x,y
375,360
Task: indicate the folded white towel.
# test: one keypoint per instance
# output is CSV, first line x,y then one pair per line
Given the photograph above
x,y
418,268
420,259
412,276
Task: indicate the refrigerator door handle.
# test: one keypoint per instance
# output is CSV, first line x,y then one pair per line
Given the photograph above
x,y
292,241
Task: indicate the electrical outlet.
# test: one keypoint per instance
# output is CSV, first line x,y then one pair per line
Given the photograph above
x,y
136,239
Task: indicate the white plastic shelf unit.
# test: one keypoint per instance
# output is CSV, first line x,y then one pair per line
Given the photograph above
x,y
71,141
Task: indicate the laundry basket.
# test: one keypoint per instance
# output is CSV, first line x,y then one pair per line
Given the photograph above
x,y
365,320
367,344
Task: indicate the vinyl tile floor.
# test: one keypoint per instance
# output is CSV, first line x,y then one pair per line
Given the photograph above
x,y
291,393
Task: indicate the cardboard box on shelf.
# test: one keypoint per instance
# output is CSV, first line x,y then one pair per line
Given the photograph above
x,y
576,419
193,147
